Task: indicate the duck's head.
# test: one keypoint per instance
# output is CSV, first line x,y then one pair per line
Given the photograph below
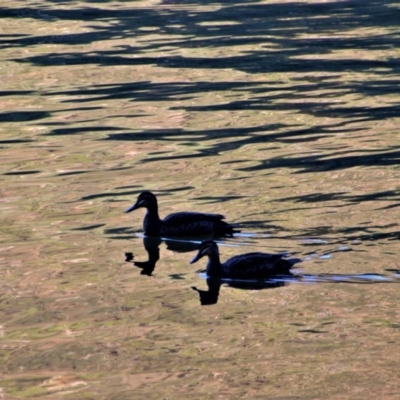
x,y
145,199
207,248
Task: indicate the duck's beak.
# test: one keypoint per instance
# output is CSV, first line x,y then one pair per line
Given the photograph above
x,y
134,207
196,258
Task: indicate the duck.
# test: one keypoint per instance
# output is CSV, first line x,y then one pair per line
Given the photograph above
x,y
184,223
244,266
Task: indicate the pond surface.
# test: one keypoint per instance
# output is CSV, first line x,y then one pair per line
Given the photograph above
x,y
281,115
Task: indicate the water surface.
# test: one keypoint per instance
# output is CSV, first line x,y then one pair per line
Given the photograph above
x,y
281,115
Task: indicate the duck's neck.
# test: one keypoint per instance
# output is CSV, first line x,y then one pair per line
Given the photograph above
x,y
152,222
214,267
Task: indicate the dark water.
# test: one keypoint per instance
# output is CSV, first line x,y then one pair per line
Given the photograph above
x,y
281,115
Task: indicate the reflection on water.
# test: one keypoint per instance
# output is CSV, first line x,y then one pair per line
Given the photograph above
x,y
281,115
151,244
211,295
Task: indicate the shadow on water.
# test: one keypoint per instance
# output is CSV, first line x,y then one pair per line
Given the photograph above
x,y
281,33
283,30
160,193
346,235
292,37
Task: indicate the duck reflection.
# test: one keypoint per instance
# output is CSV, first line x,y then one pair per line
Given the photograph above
x,y
152,247
210,296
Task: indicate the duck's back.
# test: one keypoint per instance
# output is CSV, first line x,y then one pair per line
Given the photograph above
x,y
195,223
257,265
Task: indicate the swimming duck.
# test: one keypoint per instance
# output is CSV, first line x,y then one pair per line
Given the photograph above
x,y
244,266
181,223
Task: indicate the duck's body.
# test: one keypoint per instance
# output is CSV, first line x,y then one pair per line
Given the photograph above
x,y
181,223
244,266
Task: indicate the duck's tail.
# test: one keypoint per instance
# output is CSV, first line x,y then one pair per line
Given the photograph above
x,y
227,229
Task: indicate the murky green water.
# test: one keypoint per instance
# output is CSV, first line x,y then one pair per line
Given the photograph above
x,y
281,115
